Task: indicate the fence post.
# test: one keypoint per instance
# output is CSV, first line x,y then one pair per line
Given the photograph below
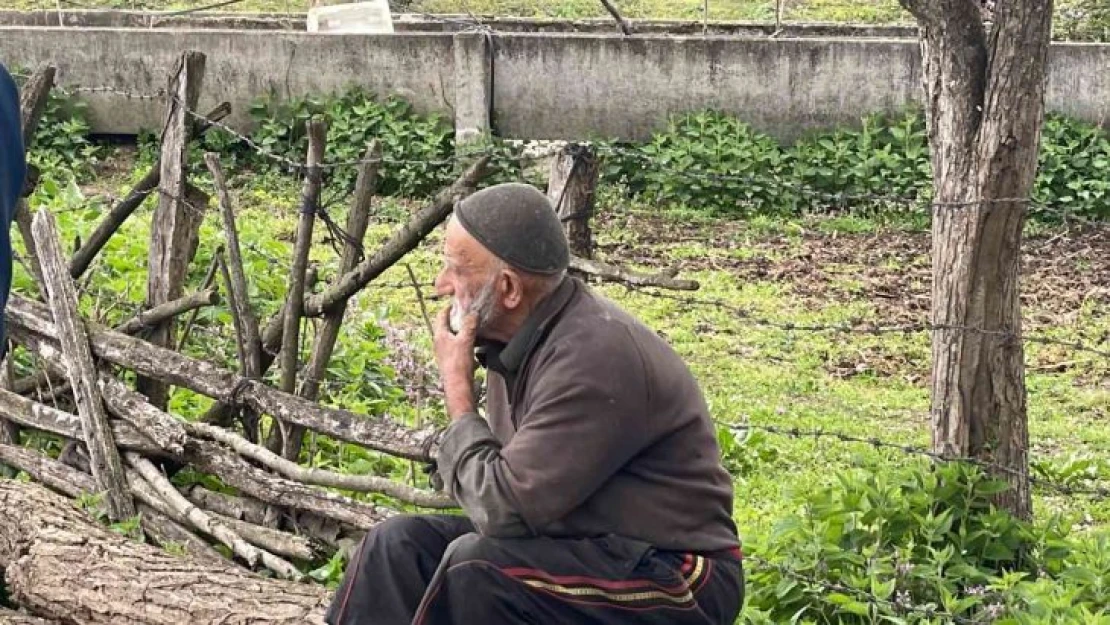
x,y
174,226
572,188
473,86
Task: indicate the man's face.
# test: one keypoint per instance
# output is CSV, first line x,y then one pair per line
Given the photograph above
x,y
469,276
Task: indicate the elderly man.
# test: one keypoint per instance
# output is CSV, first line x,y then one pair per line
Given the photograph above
x,y
13,171
593,488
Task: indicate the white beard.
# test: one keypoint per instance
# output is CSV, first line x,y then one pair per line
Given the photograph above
x,y
482,305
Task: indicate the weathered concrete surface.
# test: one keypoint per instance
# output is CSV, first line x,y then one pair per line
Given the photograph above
x,y
415,22
242,66
608,87
544,86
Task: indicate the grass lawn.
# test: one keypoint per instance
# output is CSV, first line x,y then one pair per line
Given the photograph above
x,y
827,271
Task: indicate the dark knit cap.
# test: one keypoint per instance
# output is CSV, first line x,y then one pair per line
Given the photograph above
x,y
517,223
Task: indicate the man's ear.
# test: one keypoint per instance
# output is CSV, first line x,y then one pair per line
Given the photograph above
x,y
512,291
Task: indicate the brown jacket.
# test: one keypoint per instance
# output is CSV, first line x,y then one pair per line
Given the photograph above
x,y
595,426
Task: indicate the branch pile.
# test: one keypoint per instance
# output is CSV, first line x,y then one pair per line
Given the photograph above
x,y
185,553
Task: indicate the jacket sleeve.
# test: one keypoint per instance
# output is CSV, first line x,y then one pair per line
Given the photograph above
x,y
588,416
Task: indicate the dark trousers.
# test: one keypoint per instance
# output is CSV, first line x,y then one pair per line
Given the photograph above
x,y
435,570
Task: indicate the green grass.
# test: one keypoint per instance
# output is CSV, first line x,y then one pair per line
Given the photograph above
x,y
859,384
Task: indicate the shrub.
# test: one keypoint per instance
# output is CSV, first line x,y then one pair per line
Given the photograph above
x,y
926,538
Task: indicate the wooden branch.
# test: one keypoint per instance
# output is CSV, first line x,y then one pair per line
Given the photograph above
x,y
74,483
294,301
172,225
162,312
106,466
9,430
164,430
212,458
32,100
275,541
617,16
83,257
318,528
38,416
320,477
403,241
358,219
238,292
613,273
209,280
32,104
205,523
380,433
61,564
133,325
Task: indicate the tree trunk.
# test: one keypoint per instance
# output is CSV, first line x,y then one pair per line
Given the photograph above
x,y
572,189
985,98
62,565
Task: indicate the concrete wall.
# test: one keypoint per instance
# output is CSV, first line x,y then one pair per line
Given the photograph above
x,y
241,66
532,86
610,87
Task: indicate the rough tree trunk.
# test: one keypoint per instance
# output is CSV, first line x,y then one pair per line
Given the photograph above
x,y
985,104
572,188
60,564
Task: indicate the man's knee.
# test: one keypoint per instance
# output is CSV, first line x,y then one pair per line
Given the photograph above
x,y
472,547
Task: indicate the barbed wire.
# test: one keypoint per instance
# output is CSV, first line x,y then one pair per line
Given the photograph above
x,y
878,443
861,327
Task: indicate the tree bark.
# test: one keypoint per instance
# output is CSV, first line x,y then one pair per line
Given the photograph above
x,y
11,617
572,189
985,99
62,565
107,469
73,483
173,222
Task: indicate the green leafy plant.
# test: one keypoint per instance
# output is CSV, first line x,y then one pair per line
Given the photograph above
x,y
926,539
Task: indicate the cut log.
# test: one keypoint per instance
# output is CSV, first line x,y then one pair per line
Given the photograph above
x,y
107,469
319,528
572,189
73,483
173,224
62,565
26,318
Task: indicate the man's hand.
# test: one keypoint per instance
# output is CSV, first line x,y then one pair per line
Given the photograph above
x,y
455,358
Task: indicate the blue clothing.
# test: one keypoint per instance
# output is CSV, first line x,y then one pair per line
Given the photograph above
x,y
13,171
